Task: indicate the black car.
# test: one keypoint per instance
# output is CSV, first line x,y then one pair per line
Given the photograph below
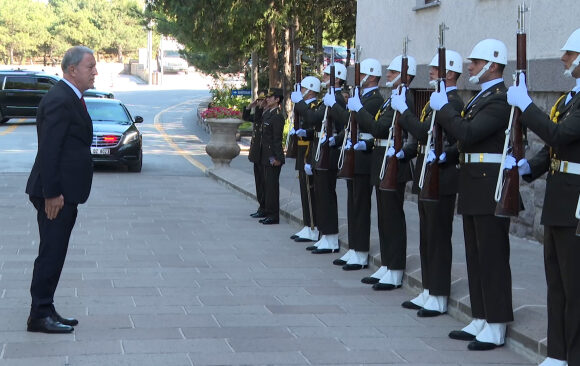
x,y
22,90
116,139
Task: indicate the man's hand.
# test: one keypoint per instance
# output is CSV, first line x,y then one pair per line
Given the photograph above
x,y
52,206
354,103
301,133
360,146
518,95
329,99
296,97
308,169
439,98
399,101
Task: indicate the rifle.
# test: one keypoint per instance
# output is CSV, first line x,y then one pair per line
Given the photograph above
x,y
429,180
507,194
346,158
389,175
292,141
322,156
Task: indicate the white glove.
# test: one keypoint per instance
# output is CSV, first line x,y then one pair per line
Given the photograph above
x,y
438,99
301,133
323,139
390,152
443,158
354,103
348,144
329,99
308,169
518,95
292,131
400,155
431,156
296,97
361,145
331,141
399,101
523,165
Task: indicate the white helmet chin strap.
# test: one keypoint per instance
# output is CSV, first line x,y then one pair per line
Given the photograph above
x,y
433,83
475,78
574,65
363,81
305,92
390,84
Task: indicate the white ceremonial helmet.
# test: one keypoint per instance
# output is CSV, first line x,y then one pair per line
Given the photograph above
x,y
491,50
339,70
371,66
572,44
311,83
453,60
395,65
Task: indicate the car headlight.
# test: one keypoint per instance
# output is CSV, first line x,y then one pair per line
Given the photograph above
x,y
131,136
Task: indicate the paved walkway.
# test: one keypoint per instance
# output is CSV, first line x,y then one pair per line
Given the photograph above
x,y
169,269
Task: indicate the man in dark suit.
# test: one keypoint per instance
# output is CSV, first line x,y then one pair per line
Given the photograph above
x,y
359,189
435,217
60,180
253,113
480,132
272,153
561,157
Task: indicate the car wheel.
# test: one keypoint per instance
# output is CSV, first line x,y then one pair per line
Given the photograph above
x,y
2,119
136,167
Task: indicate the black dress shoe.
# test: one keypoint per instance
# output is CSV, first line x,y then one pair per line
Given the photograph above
x,y
311,247
461,335
258,214
269,221
370,280
338,262
411,305
476,345
425,313
324,251
302,240
353,267
385,286
66,321
293,236
47,325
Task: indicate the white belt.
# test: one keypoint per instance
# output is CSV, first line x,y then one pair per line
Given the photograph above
x,y
319,135
481,158
381,142
365,136
565,167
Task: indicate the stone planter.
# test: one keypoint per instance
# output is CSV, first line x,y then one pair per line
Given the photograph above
x,y
222,146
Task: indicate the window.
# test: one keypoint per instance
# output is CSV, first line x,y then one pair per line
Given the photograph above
x,y
423,4
44,83
19,82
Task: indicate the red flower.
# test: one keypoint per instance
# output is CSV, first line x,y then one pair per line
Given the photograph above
x,y
220,112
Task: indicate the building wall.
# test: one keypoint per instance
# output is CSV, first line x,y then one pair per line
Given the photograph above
x,y
382,25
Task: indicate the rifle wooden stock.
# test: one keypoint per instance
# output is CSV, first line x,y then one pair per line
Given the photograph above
x,y
509,201
347,169
389,181
430,189
323,162
292,147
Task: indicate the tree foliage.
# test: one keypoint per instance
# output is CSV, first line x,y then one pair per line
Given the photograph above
x,y
31,28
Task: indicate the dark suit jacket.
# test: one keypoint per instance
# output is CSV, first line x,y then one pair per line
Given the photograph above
x,y
448,173
480,130
272,131
63,163
563,140
256,119
371,102
379,128
307,122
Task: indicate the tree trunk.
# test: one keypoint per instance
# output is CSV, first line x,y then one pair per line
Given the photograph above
x,y
318,48
11,51
255,63
272,47
120,53
348,46
287,66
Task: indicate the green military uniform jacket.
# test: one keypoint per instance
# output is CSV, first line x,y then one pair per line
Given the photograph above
x,y
307,122
256,119
272,131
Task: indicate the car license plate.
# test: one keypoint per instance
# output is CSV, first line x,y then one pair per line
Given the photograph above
x,y
100,151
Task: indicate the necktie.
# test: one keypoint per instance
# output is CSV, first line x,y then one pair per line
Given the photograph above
x,y
570,96
83,101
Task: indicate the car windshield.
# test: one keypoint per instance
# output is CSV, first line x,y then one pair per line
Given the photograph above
x,y
107,112
171,53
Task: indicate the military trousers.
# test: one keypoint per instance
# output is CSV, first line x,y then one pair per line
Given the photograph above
x,y
392,227
561,257
272,191
361,215
487,252
259,179
307,197
326,202
436,229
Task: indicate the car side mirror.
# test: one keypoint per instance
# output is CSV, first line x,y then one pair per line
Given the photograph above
x,y
138,119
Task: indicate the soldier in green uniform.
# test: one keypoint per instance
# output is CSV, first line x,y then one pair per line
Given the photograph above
x,y
272,154
359,188
435,217
253,113
561,157
480,132
391,217
305,99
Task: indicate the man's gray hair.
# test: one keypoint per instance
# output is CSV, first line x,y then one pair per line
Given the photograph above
x,y
73,56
